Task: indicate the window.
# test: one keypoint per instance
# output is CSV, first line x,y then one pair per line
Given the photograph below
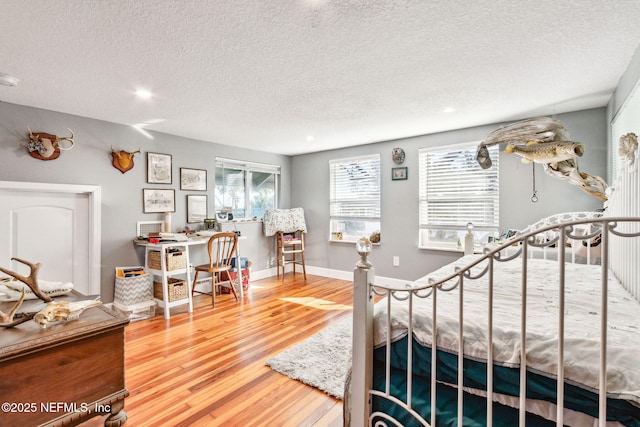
x,y
455,191
248,189
354,197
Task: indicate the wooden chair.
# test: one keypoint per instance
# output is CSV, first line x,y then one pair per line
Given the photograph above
x,y
290,250
222,248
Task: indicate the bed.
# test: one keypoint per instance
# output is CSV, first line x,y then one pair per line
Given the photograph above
x,y
577,329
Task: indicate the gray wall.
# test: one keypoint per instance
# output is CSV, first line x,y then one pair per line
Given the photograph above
x,y
628,82
89,162
399,228
304,183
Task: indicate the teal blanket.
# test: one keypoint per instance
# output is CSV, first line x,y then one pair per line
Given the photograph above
x,y
506,381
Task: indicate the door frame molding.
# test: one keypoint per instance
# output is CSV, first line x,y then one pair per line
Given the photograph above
x,y
94,194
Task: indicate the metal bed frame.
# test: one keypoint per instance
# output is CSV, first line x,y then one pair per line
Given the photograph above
x,y
619,227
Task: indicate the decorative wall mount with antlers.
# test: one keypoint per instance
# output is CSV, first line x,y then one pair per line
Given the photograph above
x,y
53,311
123,160
45,146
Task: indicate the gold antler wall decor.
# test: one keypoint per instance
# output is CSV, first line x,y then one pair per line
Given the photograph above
x,y
123,160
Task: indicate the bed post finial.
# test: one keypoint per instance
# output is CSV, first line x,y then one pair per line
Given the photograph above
x,y
362,353
363,247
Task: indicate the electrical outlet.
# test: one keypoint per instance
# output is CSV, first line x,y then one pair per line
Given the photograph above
x,y
396,261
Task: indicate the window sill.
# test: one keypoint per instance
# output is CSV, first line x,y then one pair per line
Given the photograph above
x,y
476,249
352,242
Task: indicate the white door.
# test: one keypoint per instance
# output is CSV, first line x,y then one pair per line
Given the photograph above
x,y
52,228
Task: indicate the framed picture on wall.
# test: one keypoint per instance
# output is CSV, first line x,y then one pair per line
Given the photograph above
x,y
158,168
157,200
398,173
196,208
193,179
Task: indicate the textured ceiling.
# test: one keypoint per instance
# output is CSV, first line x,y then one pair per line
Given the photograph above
x,y
272,74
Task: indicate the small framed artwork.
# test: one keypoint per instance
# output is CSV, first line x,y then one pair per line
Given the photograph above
x,y
156,200
196,208
158,168
193,179
510,233
398,173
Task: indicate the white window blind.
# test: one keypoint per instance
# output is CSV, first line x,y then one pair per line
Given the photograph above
x,y
354,197
455,190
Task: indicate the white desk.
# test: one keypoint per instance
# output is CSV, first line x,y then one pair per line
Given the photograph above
x,y
164,274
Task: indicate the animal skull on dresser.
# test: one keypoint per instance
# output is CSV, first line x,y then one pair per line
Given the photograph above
x,y
123,160
45,146
62,310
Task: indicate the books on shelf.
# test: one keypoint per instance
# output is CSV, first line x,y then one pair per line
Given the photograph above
x,y
161,235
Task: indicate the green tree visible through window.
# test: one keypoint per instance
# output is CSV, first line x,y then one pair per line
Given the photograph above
x,y
247,188
354,197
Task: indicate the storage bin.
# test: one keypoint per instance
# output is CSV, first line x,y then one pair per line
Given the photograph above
x,y
244,262
177,289
224,276
174,260
132,290
143,310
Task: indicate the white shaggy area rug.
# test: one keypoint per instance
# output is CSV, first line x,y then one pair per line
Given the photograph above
x,y
321,361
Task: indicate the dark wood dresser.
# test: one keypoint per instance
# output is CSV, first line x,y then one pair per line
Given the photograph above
x,y
64,374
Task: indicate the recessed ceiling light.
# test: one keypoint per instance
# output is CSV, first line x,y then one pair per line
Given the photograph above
x,y
310,138
143,93
449,110
7,80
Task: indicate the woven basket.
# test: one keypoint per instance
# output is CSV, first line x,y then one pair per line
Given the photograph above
x,y
178,289
175,260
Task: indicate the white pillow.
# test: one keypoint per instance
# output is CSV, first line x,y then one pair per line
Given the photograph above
x,y
13,289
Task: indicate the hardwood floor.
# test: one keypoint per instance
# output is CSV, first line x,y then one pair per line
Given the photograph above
x,y
206,368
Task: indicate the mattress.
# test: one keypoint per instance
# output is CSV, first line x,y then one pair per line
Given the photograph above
x,y
582,320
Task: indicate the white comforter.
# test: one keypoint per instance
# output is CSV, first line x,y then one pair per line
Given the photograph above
x,y
582,322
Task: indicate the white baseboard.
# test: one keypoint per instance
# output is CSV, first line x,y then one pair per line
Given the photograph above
x,y
330,273
262,274
204,285
348,275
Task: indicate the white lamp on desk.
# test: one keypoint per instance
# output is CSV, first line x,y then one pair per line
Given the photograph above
x,y
468,239
167,222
